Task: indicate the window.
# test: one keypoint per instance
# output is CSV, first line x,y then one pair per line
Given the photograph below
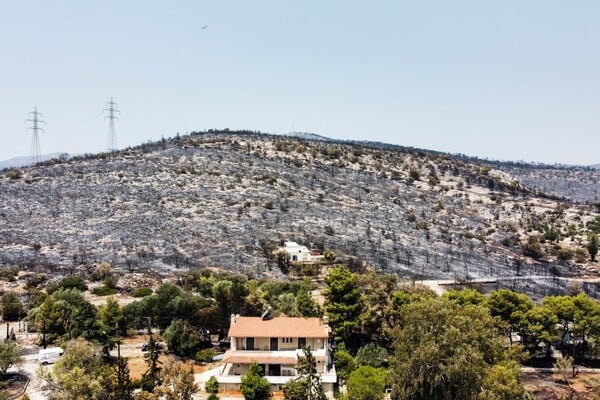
x,y
286,340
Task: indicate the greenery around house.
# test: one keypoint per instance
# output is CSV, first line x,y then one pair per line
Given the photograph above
x,y
367,383
211,385
474,343
254,386
308,384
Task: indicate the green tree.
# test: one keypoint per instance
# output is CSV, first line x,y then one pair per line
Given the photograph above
x,y
511,307
308,384
49,320
344,362
377,319
367,383
592,246
110,320
11,306
254,386
78,316
177,381
306,306
286,303
78,374
212,385
443,350
372,355
503,382
151,377
183,339
10,355
539,326
466,296
123,388
344,304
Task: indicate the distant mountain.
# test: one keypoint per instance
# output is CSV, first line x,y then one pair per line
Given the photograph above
x,y
26,160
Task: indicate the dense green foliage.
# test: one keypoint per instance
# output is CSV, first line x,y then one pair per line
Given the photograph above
x,y
211,385
254,386
78,374
443,350
10,355
11,307
344,303
68,282
183,339
464,338
344,362
367,383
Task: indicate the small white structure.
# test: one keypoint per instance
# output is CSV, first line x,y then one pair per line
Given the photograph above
x,y
299,253
49,356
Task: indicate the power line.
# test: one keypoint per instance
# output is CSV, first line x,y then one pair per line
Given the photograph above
x,y
35,129
111,115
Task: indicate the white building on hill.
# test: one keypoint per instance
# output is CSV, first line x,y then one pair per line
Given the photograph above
x,y
299,253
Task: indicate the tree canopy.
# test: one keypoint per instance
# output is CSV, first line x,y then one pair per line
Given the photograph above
x,y
443,350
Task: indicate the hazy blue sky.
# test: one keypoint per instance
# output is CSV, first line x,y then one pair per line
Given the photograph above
x,y
510,80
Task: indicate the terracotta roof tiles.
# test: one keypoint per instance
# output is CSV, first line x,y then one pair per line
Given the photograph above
x,y
278,327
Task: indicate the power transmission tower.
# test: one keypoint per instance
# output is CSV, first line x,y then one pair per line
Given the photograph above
x,y
111,115
35,128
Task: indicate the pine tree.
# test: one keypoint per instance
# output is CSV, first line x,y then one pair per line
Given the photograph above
x,y
123,388
308,385
151,377
592,246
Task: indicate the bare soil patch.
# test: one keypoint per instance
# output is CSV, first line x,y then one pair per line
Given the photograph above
x,y
548,385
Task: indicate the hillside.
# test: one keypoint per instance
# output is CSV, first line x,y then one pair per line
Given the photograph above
x,y
225,199
580,184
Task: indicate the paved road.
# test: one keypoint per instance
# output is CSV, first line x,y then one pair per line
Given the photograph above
x,y
438,286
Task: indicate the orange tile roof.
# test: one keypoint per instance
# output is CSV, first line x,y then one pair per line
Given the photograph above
x,y
278,327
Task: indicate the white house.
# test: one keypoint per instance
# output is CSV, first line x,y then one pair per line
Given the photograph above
x,y
276,345
299,253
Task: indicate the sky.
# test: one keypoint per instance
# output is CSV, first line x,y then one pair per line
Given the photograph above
x,y
505,80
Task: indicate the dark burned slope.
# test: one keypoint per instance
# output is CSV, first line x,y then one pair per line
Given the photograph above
x,y
226,199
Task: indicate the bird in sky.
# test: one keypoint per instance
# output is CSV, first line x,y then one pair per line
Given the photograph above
x,y
205,27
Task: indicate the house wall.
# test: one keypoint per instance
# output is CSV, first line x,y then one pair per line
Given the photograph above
x,y
264,344
235,388
240,369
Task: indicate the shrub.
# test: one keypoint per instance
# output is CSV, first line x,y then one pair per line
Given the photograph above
x,y
102,271
8,274
581,255
68,282
142,292
14,173
33,281
104,291
533,248
211,385
565,255
205,355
